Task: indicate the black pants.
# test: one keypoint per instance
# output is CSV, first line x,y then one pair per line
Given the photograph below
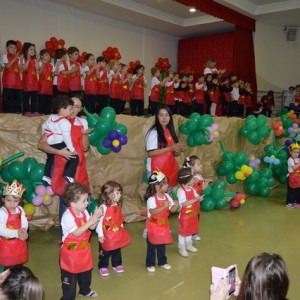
x,y
12,100
152,107
173,109
116,257
116,104
293,195
69,281
198,108
70,167
178,107
160,251
57,92
90,103
233,109
45,104
137,107
31,97
186,109
101,102
207,103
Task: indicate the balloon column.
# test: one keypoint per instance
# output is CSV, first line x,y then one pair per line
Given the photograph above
x,y
255,129
163,64
81,57
44,195
53,44
288,120
132,65
201,130
111,54
108,135
278,128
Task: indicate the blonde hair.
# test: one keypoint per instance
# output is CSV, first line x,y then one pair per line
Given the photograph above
x,y
107,190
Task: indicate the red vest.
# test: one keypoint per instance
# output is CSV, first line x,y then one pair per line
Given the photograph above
x,y
137,90
125,89
154,93
248,101
75,78
242,99
199,94
62,80
177,94
11,78
30,81
116,87
76,254
192,91
186,97
90,83
188,217
198,186
45,80
294,178
102,83
297,98
169,97
115,236
13,251
214,95
158,226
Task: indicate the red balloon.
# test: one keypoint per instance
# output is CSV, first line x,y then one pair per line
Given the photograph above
x,y
235,203
53,39
137,62
61,42
109,49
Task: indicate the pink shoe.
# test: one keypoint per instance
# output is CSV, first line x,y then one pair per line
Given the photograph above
x,y
119,269
27,114
104,272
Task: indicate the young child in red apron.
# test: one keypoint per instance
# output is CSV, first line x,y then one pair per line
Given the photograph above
x,y
13,227
189,202
76,262
293,193
112,235
159,206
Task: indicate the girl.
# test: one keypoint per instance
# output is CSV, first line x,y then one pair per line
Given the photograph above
x,y
159,206
126,81
13,227
137,91
211,68
185,96
90,82
200,88
30,80
115,85
112,235
293,193
209,86
189,202
60,80
76,261
169,98
200,183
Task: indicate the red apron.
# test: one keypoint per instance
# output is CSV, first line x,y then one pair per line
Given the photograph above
x,y
158,226
74,78
186,97
137,91
242,100
45,80
198,186
11,78
191,91
188,216
13,251
214,96
248,101
294,178
199,95
30,81
76,254
58,183
115,236
125,90
169,96
115,88
90,83
62,80
102,83
166,163
154,93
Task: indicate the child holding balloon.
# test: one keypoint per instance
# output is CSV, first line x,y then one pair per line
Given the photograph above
x,y
13,227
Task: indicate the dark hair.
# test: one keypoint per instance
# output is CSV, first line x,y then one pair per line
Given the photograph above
x,y
185,175
151,189
100,59
107,190
137,68
200,75
26,47
181,75
161,140
72,49
73,191
61,101
59,53
21,284
154,70
208,75
88,56
190,161
265,278
79,97
11,42
44,51
291,87
169,72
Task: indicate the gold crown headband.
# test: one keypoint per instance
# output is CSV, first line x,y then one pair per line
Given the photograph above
x,y
156,176
15,189
294,146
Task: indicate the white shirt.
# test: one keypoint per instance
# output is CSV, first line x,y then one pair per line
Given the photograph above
x,y
288,98
61,68
80,121
68,223
11,233
210,71
235,94
182,196
59,131
151,203
151,142
291,162
154,81
200,86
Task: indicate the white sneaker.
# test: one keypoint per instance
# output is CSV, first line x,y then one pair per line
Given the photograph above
x,y
151,269
166,267
196,237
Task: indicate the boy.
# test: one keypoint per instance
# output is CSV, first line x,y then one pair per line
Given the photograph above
x,y
102,85
75,72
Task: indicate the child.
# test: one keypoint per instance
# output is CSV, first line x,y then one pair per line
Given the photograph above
x,y
112,235
289,97
76,261
209,86
75,71
60,80
30,79
169,96
293,193
200,87
235,95
102,85
58,128
115,86
225,89
159,206
190,80
126,81
11,79
189,202
45,92
177,94
137,91
13,227
185,96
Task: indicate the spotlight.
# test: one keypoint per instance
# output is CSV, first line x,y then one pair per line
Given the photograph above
x,y
192,9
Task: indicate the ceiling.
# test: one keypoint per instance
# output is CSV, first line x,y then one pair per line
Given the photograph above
x,y
173,18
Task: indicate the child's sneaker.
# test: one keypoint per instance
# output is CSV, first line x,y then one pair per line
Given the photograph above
x,y
69,179
296,205
91,294
291,205
46,181
196,237
151,269
119,269
166,267
104,272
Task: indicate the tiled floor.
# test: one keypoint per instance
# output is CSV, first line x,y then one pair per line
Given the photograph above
x,y
228,236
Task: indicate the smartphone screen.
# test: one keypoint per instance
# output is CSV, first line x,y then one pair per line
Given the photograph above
x,y
232,275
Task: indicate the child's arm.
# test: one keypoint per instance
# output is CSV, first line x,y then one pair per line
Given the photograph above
x,y
10,63
158,210
190,202
99,228
65,127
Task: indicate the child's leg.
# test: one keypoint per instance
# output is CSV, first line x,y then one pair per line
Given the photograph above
x,y
133,106
150,259
140,108
34,101
161,254
181,246
26,105
84,282
68,281
71,167
103,257
116,257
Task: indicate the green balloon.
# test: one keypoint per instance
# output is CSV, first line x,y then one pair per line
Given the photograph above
x,y
244,131
207,204
29,163
282,155
190,141
283,179
37,172
219,184
208,191
267,172
93,204
2,185
263,182
121,128
269,148
108,114
94,138
251,118
252,188
253,137
265,192
30,196
240,158
6,176
217,194
103,128
221,203
206,121
145,178
191,126
261,120
228,156
271,182
101,149
183,129
264,131
195,116
221,170
17,170
254,177
251,125
29,188
288,123
231,178
199,138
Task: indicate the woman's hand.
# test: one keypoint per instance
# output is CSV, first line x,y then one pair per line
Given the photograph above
x,y
87,131
66,153
221,291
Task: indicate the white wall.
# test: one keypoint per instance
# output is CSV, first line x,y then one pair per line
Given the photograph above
x,y
37,20
277,60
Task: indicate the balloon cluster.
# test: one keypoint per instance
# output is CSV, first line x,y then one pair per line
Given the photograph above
x,y
53,44
272,160
294,131
288,120
19,46
163,64
213,131
197,129
81,57
253,161
278,128
255,129
295,106
237,200
243,173
44,195
93,204
111,54
132,65
187,70
105,127
29,210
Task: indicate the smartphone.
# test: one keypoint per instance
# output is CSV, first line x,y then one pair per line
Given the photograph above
x,y
219,273
232,279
